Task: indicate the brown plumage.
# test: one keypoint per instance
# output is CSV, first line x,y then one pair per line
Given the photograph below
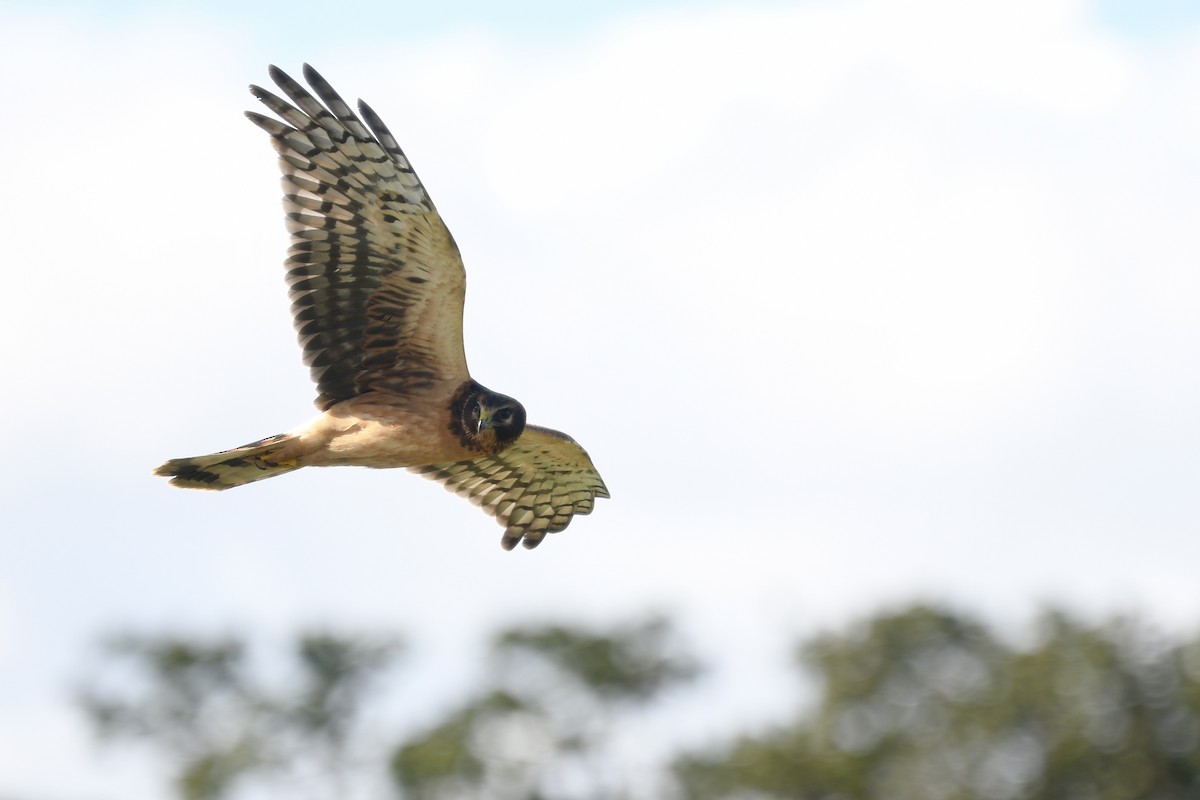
x,y
377,288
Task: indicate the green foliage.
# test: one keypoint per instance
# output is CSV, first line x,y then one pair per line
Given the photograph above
x,y
931,706
630,663
921,704
196,685
337,672
452,759
211,775
200,704
547,709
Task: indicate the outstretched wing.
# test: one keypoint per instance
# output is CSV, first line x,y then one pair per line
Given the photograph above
x,y
374,276
533,487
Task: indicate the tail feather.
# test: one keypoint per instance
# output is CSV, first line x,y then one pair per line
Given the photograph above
x,y
265,458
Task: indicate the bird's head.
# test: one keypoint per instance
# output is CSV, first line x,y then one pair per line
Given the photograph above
x,y
488,421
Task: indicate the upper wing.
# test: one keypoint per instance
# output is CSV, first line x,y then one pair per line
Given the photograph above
x,y
532,487
374,276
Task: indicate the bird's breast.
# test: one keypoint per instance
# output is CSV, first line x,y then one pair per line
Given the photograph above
x,y
381,436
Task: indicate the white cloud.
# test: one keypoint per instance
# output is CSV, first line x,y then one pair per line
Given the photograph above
x,y
848,301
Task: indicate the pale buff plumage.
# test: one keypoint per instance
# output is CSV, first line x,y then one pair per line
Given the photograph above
x,y
377,289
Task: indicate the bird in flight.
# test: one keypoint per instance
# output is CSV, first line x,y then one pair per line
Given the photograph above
x,y
377,287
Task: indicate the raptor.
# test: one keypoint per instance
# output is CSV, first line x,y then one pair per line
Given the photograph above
x,y
377,287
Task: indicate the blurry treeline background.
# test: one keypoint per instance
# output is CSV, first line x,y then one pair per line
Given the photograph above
x,y
920,703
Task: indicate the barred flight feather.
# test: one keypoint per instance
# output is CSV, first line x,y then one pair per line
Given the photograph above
x,y
369,252
532,487
376,285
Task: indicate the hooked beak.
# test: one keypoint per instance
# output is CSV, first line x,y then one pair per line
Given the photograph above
x,y
485,420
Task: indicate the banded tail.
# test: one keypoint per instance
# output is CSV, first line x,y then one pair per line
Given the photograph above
x,y
265,458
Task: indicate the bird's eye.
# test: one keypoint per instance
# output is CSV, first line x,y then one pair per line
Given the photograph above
x,y
504,416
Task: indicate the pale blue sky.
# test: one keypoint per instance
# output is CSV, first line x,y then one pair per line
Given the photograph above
x,y
851,303
525,19
405,19
1148,17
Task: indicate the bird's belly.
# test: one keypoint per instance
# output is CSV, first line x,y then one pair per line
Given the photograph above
x,y
381,440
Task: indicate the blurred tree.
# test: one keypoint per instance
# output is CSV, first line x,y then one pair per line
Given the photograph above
x,y
926,705
199,705
543,724
917,705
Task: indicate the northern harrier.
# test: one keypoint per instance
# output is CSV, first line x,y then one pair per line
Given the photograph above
x,y
377,287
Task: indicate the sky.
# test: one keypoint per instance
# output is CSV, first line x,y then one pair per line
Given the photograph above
x,y
852,302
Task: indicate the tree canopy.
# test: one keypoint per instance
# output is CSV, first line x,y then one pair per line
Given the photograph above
x,y
921,703
929,705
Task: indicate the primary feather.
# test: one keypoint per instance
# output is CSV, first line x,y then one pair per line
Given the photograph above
x,y
377,287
